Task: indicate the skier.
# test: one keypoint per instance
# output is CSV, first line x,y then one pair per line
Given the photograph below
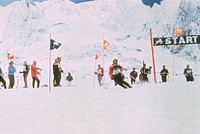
x,y
188,73
69,78
143,74
25,73
11,72
164,72
115,73
34,73
2,79
133,76
99,73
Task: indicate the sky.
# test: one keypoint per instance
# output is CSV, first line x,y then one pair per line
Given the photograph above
x,y
6,2
145,2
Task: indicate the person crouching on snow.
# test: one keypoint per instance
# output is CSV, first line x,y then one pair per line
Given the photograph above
x,y
99,73
69,78
115,73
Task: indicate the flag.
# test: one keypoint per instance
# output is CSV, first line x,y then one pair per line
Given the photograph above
x,y
10,56
178,31
54,44
96,57
106,44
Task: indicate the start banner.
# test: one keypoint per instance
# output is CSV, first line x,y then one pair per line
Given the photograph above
x,y
179,40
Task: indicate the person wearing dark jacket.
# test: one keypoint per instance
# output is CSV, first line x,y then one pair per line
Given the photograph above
x,y
164,72
188,74
133,76
69,78
143,73
2,79
115,73
25,73
57,72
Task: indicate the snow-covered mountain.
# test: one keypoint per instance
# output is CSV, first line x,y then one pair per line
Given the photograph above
x,y
26,28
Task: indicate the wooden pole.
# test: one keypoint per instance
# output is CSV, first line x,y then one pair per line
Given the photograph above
x,y
50,64
104,80
152,52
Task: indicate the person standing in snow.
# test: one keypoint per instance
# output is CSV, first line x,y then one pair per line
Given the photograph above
x,y
55,73
59,70
149,74
34,74
164,72
188,74
11,72
99,73
25,73
115,73
69,78
143,75
133,76
2,79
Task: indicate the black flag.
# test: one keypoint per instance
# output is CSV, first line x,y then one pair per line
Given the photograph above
x,y
54,44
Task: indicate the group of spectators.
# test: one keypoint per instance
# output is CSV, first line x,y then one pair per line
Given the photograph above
x,y
11,74
116,74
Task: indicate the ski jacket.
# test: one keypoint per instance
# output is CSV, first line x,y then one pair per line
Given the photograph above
x,y
164,72
55,68
25,69
34,71
187,72
144,70
1,72
69,78
11,70
114,70
100,72
133,74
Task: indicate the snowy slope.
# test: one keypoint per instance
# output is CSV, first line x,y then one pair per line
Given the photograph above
x,y
169,108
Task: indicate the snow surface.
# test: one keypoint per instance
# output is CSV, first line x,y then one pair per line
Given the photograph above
x,y
161,108
84,107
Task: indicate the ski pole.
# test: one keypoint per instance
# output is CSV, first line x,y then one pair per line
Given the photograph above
x,y
107,85
17,83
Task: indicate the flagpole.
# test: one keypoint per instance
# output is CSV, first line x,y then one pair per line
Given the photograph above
x,y
50,64
104,79
152,51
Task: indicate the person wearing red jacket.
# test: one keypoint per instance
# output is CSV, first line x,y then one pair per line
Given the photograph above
x,y
99,73
115,73
34,74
